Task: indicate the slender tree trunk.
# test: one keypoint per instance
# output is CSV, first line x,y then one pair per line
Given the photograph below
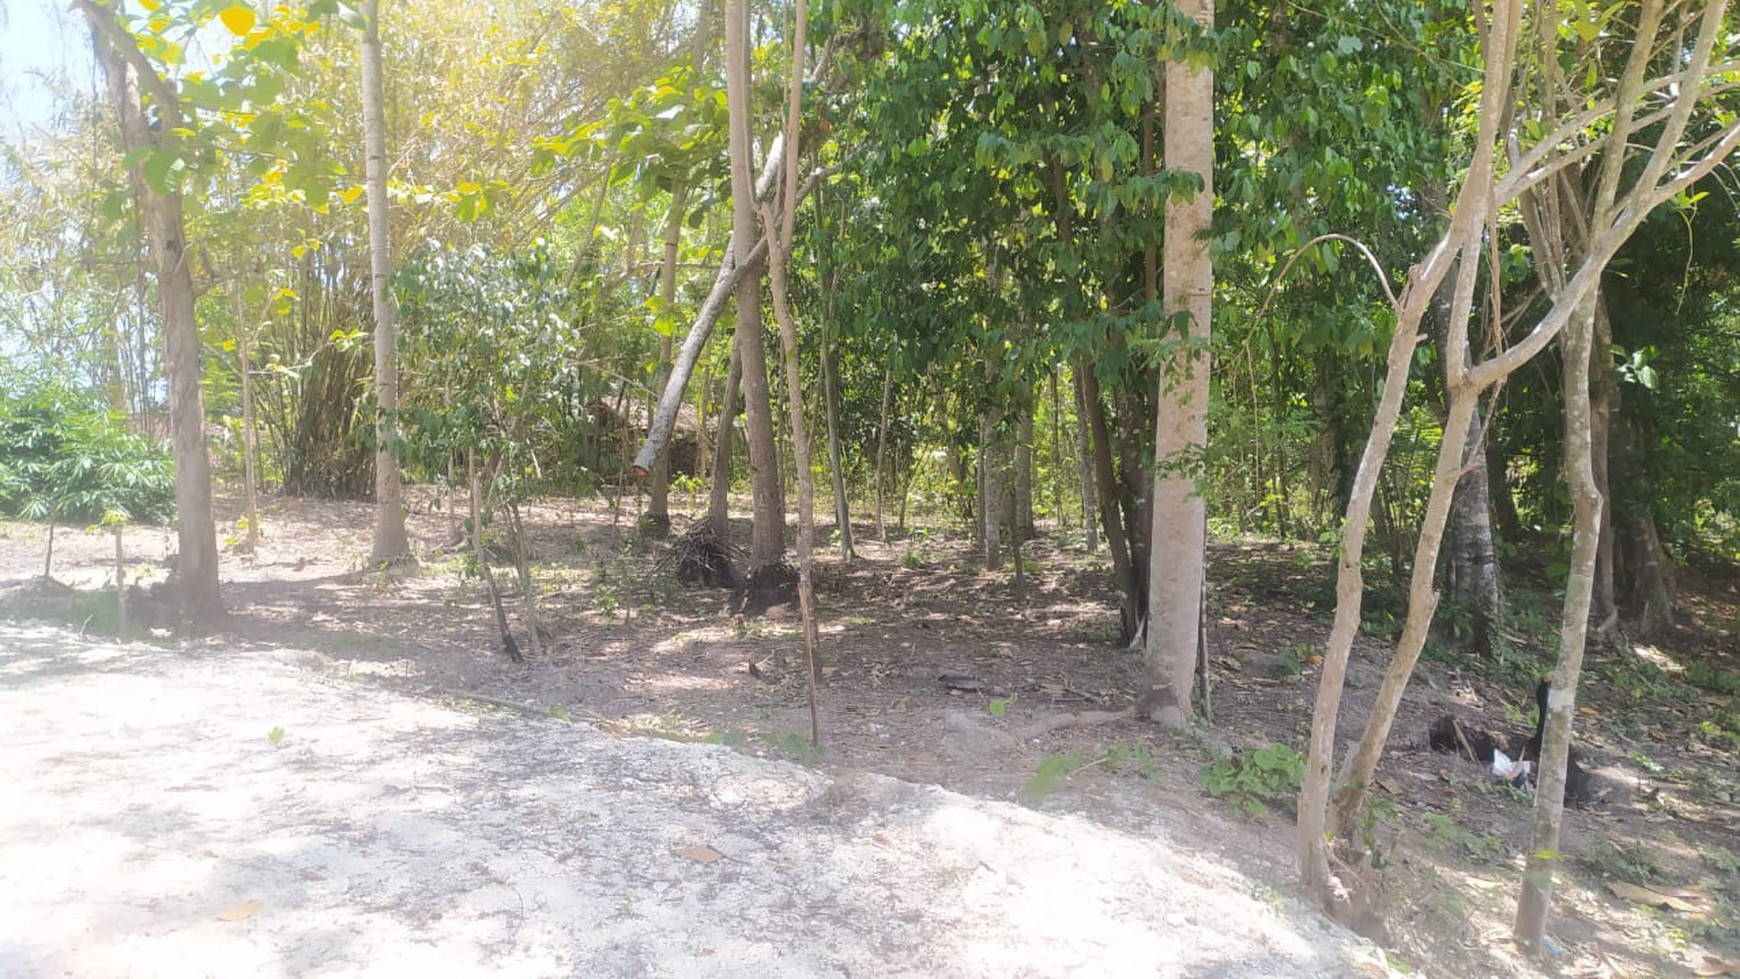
x,y
990,492
1132,605
658,509
1022,519
1603,400
127,70
882,445
780,238
390,541
767,537
120,581
1084,465
1059,517
719,498
1544,855
250,441
831,398
1178,545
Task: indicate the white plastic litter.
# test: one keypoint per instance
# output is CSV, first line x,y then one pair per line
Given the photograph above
x,y
1509,771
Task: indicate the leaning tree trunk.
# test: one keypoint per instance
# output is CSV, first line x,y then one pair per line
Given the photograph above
x,y
127,70
1178,543
390,542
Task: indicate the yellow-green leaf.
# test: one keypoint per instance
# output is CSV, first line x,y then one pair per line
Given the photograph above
x,y
239,19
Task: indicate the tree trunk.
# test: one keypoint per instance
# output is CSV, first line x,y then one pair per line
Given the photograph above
x,y
1085,469
1178,545
390,541
767,536
1544,855
719,496
250,440
882,445
1603,404
1474,571
780,238
1021,521
1132,605
990,492
831,398
1498,490
120,581
1060,518
126,69
1643,585
658,508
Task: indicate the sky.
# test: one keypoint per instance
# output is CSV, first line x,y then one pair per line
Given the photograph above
x,y
39,40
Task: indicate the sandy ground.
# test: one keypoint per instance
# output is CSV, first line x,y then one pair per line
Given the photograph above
x,y
151,825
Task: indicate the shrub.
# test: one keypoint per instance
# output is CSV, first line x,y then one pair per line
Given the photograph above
x,y
64,458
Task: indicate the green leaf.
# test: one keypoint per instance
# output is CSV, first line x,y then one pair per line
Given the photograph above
x,y
163,170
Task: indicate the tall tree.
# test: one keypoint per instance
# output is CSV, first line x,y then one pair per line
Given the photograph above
x,y
767,540
390,542
151,122
1524,114
1179,513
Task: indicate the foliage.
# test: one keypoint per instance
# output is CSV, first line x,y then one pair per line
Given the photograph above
x,y
63,458
1255,778
1053,769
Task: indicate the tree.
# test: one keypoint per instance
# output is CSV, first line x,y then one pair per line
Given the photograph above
x,y
767,542
779,235
390,542
1175,576
151,119
1520,116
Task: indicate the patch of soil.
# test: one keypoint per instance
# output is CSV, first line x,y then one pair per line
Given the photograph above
x,y
934,671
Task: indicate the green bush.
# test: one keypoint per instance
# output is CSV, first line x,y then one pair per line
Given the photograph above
x,y
64,458
1254,779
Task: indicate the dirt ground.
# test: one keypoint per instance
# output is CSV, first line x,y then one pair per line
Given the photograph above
x,y
158,827
933,670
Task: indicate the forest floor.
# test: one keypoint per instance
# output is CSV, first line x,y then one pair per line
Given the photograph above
x,y
935,671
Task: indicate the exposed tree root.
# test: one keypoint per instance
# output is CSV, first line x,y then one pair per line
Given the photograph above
x,y
1086,718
